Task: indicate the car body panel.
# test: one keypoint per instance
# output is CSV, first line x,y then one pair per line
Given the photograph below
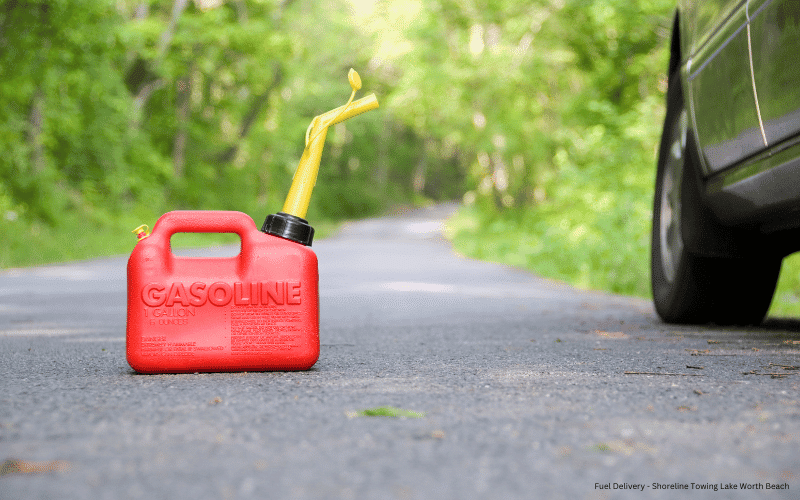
x,y
726,120
776,46
763,191
749,179
702,18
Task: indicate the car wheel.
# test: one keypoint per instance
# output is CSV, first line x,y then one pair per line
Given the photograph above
x,y
689,287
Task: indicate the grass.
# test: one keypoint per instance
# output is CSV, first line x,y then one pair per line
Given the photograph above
x,y
786,302
34,243
562,244
76,238
388,411
590,253
595,242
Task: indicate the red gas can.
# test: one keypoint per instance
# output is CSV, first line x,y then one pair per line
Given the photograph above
x,y
256,311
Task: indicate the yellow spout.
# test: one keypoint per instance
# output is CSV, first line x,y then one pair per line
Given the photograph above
x,y
306,175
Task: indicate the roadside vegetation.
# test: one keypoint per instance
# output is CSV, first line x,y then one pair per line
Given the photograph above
x,y
114,112
543,117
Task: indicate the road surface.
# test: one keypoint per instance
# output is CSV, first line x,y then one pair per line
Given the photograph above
x,y
528,389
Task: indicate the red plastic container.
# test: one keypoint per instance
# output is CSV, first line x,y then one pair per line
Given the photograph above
x,y
253,312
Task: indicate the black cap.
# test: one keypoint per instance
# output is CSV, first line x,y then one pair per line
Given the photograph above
x,y
290,227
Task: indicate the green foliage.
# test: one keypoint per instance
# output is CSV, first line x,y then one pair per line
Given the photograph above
x,y
587,214
543,115
591,225
786,301
506,87
564,168
66,143
118,111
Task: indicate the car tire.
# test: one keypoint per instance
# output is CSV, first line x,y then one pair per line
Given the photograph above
x,y
689,287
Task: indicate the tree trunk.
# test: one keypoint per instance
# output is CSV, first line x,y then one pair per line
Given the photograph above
x,y
35,122
255,109
166,37
144,93
381,174
183,103
419,177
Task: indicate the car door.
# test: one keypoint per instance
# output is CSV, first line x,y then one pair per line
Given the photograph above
x,y
720,86
775,31
703,17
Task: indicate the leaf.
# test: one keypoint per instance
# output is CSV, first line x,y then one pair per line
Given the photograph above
x,y
389,411
14,466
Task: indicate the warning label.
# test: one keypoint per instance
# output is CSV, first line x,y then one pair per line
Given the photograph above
x,y
264,329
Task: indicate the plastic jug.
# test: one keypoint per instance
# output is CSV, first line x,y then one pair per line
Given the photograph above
x,y
256,311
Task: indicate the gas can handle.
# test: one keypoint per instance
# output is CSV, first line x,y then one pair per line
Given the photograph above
x,y
204,221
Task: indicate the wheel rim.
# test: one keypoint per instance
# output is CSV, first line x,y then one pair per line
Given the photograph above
x,y
670,220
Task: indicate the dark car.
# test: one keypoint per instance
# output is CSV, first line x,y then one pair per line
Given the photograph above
x,y
727,199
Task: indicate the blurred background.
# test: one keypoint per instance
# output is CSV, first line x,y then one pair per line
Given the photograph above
x,y
540,118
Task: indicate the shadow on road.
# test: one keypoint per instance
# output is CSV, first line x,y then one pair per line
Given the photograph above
x,y
786,324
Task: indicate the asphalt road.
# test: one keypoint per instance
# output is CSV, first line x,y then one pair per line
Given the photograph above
x,y
523,382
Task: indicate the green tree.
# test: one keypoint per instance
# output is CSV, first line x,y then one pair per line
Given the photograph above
x,y
66,141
